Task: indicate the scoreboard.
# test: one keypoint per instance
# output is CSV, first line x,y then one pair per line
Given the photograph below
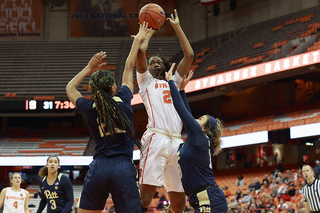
x,y
36,106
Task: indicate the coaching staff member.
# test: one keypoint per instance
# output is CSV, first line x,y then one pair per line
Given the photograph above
x,y
311,191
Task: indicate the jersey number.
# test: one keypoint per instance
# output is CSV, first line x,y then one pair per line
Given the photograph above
x,y
15,204
53,204
167,97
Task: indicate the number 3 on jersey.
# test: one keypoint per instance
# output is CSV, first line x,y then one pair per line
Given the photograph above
x,y
167,97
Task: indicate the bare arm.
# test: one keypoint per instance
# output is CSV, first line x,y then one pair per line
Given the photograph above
x,y
26,209
306,207
127,77
93,65
142,60
185,63
2,196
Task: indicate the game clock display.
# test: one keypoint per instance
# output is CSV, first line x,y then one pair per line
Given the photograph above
x,y
34,106
48,105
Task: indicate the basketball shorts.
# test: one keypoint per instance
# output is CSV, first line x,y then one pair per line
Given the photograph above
x,y
159,163
210,200
116,175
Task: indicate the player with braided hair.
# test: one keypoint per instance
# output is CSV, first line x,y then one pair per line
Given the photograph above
x,y
110,120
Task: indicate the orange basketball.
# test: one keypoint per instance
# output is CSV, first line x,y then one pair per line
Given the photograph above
x,y
153,14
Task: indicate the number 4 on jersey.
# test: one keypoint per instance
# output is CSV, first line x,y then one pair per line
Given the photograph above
x,y
15,204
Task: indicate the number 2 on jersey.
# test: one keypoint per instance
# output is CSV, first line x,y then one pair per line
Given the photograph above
x,y
15,204
167,97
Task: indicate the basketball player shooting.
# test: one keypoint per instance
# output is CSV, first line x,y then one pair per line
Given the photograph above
x,y
158,163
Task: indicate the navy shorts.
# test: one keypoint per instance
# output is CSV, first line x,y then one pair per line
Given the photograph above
x,y
210,200
116,175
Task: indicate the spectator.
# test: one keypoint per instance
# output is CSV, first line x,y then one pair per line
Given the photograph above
x,y
265,187
279,206
227,191
284,207
257,184
317,169
296,185
273,183
286,196
240,181
253,208
297,197
233,204
282,187
238,194
247,197
261,204
252,184
290,207
265,178
292,191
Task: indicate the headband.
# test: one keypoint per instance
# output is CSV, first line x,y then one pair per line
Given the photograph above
x,y
213,123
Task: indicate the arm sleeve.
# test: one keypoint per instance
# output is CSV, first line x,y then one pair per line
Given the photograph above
x,y
43,201
184,98
192,127
68,190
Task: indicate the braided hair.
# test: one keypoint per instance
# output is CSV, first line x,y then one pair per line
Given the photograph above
x,y
110,115
215,135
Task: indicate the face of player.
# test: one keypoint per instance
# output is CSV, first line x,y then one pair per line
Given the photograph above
x,y
53,165
16,179
156,67
307,172
203,120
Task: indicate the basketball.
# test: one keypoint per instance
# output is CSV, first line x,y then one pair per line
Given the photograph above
x,y
152,14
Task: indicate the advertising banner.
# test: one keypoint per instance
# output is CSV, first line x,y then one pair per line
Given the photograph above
x,y
106,18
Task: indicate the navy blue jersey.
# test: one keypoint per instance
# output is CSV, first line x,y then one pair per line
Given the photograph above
x,y
194,156
121,143
58,197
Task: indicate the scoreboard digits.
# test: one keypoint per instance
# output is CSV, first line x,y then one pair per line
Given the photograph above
x,y
48,105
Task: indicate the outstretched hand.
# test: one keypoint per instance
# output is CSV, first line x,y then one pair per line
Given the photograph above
x,y
95,62
174,20
186,80
169,73
143,31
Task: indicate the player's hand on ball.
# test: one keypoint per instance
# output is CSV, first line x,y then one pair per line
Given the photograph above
x,y
95,62
186,80
169,73
174,20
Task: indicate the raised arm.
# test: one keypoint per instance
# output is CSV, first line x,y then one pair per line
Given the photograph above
x,y
93,65
192,127
182,86
142,60
127,77
185,63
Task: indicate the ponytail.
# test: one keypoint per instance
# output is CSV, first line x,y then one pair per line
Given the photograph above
x,y
43,172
